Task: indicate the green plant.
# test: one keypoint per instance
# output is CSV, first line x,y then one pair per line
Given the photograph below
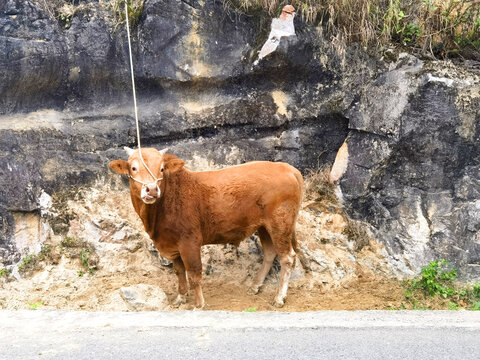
x,y
85,260
27,261
418,306
33,261
410,33
454,306
4,272
436,279
35,305
251,309
65,20
476,290
69,242
66,10
44,252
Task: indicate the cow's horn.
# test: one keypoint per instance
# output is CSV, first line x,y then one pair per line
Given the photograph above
x,y
128,150
162,152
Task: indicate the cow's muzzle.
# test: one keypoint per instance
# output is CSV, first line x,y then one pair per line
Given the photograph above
x,y
150,193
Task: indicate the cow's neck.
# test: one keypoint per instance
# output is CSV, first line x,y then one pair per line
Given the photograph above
x,y
148,214
169,205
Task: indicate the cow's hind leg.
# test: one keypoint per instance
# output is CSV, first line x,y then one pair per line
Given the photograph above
x,y
179,268
281,229
268,257
287,261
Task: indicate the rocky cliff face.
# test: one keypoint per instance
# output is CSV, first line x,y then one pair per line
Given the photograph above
x,y
408,130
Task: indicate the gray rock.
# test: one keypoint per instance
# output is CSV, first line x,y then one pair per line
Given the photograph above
x,y
415,183
144,297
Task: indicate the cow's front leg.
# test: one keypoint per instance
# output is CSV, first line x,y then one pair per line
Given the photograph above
x,y
179,268
193,264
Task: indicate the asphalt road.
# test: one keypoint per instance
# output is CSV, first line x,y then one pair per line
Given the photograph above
x,y
233,335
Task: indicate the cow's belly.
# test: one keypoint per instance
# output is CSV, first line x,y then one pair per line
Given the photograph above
x,y
233,236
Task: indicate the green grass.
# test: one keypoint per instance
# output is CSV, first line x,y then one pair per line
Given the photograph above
x,y
27,262
75,248
437,281
4,272
252,309
31,261
35,305
69,242
84,259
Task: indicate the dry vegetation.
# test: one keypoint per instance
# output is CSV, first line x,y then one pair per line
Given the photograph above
x,y
320,195
441,28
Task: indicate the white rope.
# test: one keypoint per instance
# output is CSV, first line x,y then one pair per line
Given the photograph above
x,y
135,98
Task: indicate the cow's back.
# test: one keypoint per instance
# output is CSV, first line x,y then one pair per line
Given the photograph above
x,y
255,178
242,197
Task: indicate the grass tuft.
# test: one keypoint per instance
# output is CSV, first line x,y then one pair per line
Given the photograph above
x,y
442,28
319,191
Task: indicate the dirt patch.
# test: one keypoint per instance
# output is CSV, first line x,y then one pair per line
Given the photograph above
x,y
100,292
372,294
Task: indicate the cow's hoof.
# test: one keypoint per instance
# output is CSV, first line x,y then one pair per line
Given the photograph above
x,y
253,290
278,303
181,299
198,308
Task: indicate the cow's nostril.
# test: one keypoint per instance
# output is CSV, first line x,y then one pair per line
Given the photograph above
x,y
147,189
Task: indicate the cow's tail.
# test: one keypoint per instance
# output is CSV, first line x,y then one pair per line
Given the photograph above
x,y
301,255
294,242
298,250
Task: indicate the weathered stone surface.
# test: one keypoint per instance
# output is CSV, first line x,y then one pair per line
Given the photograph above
x,y
144,297
415,182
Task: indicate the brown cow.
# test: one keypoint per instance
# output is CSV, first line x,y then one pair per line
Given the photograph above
x,y
183,210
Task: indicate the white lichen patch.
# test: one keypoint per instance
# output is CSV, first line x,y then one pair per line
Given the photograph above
x,y
195,106
74,74
443,80
281,101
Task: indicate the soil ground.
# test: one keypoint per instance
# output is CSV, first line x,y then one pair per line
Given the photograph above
x,y
364,295
221,293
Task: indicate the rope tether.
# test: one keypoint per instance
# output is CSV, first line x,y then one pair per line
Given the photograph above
x,y
135,104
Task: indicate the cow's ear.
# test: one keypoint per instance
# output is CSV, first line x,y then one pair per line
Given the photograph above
x,y
172,163
119,166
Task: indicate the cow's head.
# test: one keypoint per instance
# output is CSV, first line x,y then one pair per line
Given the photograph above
x,y
144,185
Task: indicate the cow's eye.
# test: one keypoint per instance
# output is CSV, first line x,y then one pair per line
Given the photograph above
x,y
134,168
161,169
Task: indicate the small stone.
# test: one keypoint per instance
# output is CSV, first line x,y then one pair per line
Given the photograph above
x,y
143,297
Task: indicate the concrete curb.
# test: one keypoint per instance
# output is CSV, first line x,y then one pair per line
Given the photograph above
x,y
58,320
